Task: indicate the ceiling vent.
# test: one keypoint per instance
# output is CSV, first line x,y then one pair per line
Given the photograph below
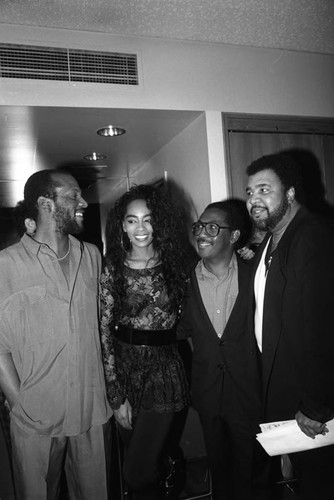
x,y
70,65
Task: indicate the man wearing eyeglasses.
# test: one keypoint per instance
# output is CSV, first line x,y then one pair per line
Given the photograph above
x,y
213,317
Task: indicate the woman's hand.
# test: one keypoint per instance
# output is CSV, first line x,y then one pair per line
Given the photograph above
x,y
124,415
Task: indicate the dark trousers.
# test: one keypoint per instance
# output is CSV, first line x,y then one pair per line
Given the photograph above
x,y
144,446
315,471
229,446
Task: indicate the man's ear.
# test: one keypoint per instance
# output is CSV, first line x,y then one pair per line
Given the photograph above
x,y
44,204
30,225
235,235
291,194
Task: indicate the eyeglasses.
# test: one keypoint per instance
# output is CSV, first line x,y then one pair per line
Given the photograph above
x,y
211,228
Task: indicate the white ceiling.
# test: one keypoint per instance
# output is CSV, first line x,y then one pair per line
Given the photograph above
x,y
305,25
60,133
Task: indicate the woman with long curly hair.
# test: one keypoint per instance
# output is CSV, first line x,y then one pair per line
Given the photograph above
x,y
142,289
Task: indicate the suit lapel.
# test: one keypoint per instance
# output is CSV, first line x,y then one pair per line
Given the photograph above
x,y
234,319
198,303
272,311
271,316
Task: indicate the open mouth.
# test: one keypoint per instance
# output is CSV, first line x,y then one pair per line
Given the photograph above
x,y
258,211
141,237
79,215
204,243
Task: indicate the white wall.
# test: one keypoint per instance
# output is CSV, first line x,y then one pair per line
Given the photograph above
x,y
177,75
186,75
184,161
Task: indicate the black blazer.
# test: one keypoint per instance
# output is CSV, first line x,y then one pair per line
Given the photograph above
x,y
218,362
297,358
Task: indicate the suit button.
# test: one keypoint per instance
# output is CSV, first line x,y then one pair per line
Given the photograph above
x,y
222,342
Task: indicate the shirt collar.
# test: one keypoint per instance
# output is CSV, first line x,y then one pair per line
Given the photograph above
x,y
203,272
34,246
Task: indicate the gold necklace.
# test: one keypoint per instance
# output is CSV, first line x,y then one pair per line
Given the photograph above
x,y
67,253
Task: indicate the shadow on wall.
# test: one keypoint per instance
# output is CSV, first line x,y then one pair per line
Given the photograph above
x,y
8,233
313,185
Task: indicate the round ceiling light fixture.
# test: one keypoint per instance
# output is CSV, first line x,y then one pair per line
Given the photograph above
x,y
110,131
94,157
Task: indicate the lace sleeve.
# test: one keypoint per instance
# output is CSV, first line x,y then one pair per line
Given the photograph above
x,y
115,392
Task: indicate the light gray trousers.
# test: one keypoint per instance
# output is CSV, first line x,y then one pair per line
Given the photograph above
x,y
38,462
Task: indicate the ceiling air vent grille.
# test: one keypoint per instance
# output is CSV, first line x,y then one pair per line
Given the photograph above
x,y
61,64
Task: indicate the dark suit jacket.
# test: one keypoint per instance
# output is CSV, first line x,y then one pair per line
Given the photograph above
x,y
220,364
298,329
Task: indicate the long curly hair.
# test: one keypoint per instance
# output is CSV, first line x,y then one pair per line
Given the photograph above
x,y
168,241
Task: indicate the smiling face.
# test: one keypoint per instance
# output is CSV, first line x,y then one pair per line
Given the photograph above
x,y
267,200
137,224
213,247
69,206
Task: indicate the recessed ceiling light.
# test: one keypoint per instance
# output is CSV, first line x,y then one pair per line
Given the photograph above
x,y
94,157
111,131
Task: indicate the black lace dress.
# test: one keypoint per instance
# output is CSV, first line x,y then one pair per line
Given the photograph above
x,y
151,377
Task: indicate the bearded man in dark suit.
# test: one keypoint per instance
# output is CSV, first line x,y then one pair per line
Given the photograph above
x,y
291,313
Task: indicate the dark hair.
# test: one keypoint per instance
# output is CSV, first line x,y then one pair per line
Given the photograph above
x,y
41,183
286,169
168,230
236,217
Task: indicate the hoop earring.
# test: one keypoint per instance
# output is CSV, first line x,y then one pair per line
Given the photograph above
x,y
126,245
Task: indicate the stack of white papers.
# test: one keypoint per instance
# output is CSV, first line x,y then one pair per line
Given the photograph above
x,y
278,438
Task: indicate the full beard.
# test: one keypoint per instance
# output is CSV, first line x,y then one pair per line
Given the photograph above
x,y
274,217
65,223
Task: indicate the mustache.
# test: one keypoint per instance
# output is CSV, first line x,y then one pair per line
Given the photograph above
x,y
255,207
203,240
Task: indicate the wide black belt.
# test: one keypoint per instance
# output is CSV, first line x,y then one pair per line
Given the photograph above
x,y
145,337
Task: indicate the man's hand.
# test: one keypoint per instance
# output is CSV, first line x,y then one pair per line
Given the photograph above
x,y
124,415
9,380
310,427
245,253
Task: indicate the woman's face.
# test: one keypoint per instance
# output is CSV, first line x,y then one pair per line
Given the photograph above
x,y
137,224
